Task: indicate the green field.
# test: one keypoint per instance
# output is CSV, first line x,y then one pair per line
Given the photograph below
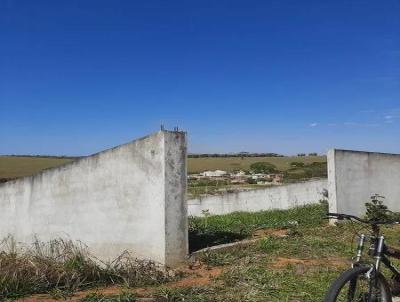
x,y
11,166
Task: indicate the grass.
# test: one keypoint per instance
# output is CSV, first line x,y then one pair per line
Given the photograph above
x,y
296,265
62,267
245,222
253,281
12,167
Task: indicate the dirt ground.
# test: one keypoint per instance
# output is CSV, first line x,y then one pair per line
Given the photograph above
x,y
197,274
200,275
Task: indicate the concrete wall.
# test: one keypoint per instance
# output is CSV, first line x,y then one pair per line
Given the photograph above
x,y
280,197
131,197
355,176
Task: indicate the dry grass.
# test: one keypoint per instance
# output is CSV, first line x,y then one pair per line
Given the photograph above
x,y
11,167
66,266
235,163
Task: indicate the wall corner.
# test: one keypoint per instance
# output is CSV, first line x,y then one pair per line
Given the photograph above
x,y
176,222
332,188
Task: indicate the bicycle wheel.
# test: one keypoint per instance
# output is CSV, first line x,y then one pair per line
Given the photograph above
x,y
354,286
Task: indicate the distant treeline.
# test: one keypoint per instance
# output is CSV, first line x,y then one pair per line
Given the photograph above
x,y
244,154
44,156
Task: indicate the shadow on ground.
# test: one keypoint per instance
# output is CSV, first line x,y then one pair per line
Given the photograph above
x,y
198,241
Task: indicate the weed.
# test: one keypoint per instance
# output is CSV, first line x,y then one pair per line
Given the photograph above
x,y
190,294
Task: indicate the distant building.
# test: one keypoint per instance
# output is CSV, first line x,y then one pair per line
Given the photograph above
x,y
239,174
216,173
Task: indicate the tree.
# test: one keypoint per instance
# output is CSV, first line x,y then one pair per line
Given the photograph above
x,y
263,167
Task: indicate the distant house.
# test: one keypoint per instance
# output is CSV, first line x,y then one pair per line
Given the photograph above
x,y
216,173
240,174
259,176
238,180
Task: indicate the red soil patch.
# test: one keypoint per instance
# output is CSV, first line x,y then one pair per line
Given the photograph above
x,y
270,232
281,262
203,276
112,290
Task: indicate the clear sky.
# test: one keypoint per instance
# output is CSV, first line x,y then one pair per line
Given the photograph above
x,y
78,76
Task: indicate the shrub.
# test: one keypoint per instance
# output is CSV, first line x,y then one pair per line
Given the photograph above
x,y
297,164
263,167
376,210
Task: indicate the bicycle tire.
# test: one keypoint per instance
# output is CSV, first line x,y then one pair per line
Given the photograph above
x,y
353,274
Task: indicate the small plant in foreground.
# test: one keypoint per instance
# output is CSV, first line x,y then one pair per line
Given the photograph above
x,y
376,210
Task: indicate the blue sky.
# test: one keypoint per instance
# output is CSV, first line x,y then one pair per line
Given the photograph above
x,y
270,76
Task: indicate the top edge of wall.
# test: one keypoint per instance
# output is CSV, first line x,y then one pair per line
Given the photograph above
x,y
91,155
363,152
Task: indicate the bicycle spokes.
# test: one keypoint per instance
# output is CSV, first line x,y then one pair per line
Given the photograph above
x,y
360,290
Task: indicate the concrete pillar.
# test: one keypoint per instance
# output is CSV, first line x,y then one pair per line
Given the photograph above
x,y
176,222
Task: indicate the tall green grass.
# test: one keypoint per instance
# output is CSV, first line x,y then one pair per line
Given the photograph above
x,y
245,222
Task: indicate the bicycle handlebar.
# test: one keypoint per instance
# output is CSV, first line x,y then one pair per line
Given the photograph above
x,y
340,216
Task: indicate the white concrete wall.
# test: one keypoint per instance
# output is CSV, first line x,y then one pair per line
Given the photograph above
x,y
355,176
279,197
131,197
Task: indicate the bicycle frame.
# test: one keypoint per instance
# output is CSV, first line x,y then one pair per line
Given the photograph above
x,y
378,250
380,254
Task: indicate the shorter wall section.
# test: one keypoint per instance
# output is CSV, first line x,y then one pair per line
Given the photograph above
x,y
279,197
355,176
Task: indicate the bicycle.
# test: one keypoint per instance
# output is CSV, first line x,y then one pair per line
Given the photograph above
x,y
364,282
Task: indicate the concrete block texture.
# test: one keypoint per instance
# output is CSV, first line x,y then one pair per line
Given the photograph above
x,y
279,197
131,197
354,176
